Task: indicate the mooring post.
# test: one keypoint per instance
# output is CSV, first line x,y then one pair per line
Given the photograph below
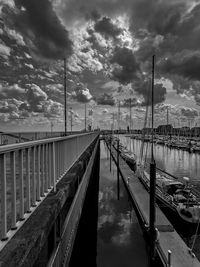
x,y
169,259
118,186
152,230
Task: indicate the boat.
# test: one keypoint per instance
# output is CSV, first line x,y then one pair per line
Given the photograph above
x,y
129,158
174,195
127,155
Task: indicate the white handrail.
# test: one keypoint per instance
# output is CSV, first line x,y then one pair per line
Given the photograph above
x,y
29,171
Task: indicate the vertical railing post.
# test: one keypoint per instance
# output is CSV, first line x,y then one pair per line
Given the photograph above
x,y
56,158
13,190
38,175
49,166
42,178
33,180
53,167
77,147
46,168
3,197
21,185
28,197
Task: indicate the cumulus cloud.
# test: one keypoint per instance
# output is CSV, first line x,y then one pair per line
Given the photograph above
x,y
6,108
105,99
4,51
42,31
84,57
35,97
107,28
30,66
52,109
82,94
11,91
189,112
130,102
12,34
126,68
144,89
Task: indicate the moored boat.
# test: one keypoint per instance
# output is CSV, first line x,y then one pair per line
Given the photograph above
x,y
127,155
175,195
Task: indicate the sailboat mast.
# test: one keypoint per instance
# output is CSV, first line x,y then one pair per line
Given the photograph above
x,y
152,108
113,121
152,203
167,115
130,116
118,115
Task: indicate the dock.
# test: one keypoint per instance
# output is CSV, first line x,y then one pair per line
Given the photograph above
x,y
167,238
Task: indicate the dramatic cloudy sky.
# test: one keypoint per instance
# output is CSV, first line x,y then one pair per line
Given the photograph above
x,y
108,46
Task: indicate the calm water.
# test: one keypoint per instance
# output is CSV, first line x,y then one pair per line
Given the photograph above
x,y
109,234
177,162
119,239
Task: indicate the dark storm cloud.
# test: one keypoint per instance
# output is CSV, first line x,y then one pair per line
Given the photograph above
x,y
106,99
41,29
185,63
144,89
74,10
107,28
127,68
159,17
188,32
94,15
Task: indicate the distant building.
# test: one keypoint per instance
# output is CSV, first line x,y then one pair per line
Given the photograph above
x,y
164,129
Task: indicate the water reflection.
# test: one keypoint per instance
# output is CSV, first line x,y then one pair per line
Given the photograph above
x,y
178,162
120,241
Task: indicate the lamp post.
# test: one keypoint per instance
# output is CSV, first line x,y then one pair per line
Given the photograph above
x,y
65,97
85,118
71,123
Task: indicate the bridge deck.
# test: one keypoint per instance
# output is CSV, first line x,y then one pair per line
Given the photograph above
x,y
168,237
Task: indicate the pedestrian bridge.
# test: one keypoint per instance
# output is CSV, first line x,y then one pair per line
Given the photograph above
x,y
43,185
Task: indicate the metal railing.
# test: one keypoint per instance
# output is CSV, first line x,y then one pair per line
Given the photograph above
x,y
29,171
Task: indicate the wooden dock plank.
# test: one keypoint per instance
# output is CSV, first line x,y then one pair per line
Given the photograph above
x,y
168,238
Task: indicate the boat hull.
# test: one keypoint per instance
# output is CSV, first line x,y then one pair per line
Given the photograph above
x,y
131,163
183,227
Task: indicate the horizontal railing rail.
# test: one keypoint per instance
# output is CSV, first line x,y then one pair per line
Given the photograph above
x,y
29,171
